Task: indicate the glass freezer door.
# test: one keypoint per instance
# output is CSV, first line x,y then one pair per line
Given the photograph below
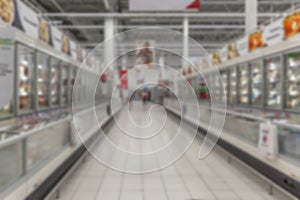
x,y
76,77
293,81
257,83
25,63
224,85
233,85
273,82
73,72
243,86
65,83
42,80
55,80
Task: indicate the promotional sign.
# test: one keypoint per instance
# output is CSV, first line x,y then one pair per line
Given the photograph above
x,y
200,67
145,54
204,64
291,25
65,45
6,66
56,37
232,51
194,61
138,5
73,50
123,79
242,46
255,40
268,145
273,33
79,53
216,58
223,54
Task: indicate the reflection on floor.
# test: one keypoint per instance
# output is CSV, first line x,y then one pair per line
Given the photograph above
x,y
188,178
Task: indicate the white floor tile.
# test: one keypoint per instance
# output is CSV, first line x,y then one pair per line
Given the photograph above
x,y
189,178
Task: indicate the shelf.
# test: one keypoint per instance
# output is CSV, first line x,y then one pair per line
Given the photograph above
x,y
42,81
24,79
24,95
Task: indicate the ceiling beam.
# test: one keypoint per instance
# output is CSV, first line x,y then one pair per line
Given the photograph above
x,y
214,27
160,45
157,15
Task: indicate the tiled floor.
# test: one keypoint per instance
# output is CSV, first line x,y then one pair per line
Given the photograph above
x,y
188,178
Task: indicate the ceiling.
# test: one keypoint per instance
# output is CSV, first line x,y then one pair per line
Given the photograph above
x,y
211,31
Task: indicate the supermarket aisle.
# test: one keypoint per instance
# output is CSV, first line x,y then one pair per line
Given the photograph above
x,y
189,178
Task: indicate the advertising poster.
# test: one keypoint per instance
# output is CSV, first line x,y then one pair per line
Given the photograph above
x,y
6,66
204,63
65,45
268,145
73,49
256,40
45,33
291,25
200,65
216,58
273,33
79,53
56,37
232,51
145,53
223,54
242,46
26,19
194,61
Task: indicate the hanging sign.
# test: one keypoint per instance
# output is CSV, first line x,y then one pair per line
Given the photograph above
x,y
135,5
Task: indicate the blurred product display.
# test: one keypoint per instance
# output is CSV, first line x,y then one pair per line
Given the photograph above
x,y
72,73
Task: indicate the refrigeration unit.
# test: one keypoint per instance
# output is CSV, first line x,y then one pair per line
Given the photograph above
x,y
42,85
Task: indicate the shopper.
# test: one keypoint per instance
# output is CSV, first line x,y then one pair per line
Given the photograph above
x,y
149,96
144,97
